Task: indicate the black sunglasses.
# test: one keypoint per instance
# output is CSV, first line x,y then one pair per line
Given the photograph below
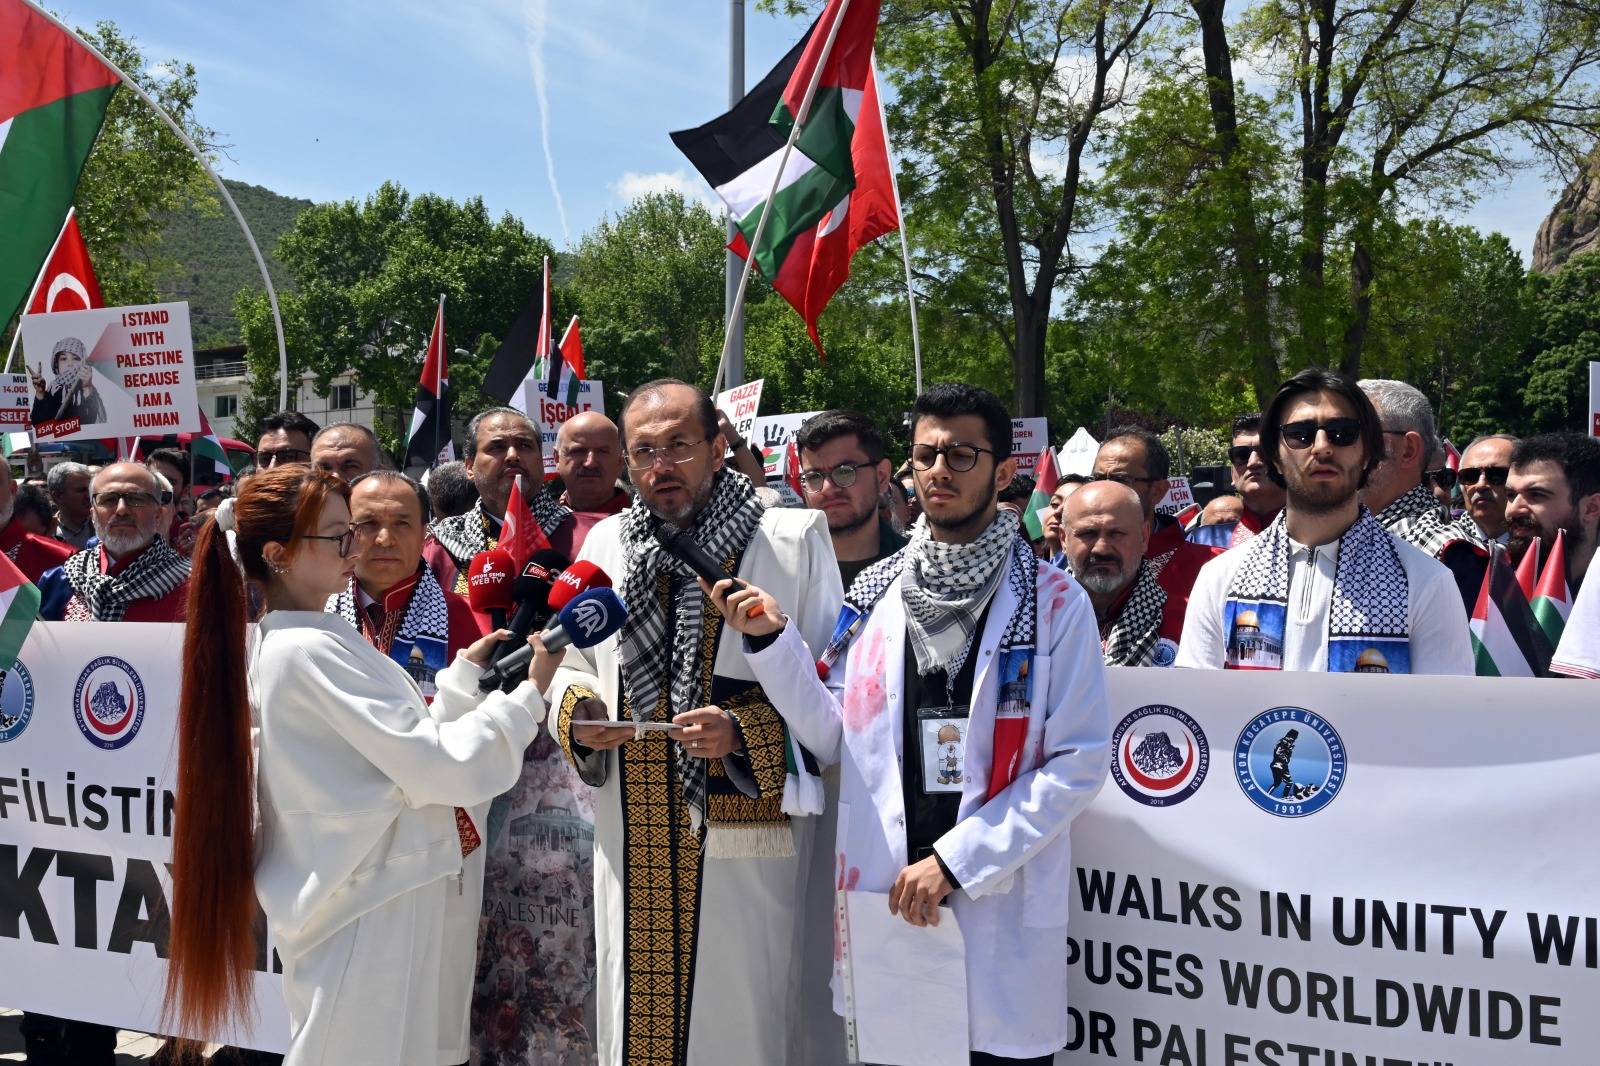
x,y
1444,477
1342,432
1239,454
1494,475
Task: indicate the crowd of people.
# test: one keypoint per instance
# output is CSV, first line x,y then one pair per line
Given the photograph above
x,y
740,750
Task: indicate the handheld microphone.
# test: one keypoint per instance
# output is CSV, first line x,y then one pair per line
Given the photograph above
x,y
531,591
489,585
590,617
682,547
575,579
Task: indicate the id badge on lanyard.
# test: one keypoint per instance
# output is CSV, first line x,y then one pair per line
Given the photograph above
x,y
943,735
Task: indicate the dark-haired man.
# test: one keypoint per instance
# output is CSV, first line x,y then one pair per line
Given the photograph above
x,y
33,553
844,475
1262,497
346,450
451,490
699,867
965,700
1136,458
502,445
173,465
1554,486
285,438
1325,587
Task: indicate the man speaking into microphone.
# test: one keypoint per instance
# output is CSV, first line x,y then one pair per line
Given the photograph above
x,y
697,861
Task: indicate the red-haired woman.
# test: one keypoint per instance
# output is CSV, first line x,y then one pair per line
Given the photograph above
x,y
357,782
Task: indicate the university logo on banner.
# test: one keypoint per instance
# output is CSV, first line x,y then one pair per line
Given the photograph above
x,y
16,701
1290,762
1161,755
109,702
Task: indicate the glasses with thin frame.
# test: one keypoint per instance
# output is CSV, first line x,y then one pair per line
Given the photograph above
x,y
110,500
678,451
344,540
958,457
1342,432
842,475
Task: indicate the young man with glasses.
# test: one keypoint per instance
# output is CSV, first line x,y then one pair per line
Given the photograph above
x,y
1263,498
965,700
844,475
286,437
1325,587
1485,466
701,853
1136,458
502,445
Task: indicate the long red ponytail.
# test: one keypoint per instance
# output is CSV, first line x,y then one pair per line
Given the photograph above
x,y
212,949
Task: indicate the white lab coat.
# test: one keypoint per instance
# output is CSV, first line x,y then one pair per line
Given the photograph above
x,y
359,873
752,933
1013,854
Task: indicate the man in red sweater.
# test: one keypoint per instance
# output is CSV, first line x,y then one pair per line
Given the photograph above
x,y
133,574
1136,458
32,553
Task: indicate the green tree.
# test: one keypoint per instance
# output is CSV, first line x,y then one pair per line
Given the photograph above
x,y
1566,338
368,275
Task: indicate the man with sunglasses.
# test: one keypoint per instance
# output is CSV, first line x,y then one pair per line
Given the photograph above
x,y
1325,587
1397,491
1554,487
703,822
1136,458
844,475
1485,466
133,574
286,437
1263,498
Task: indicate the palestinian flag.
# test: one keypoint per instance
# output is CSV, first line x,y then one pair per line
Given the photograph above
x,y
429,442
205,445
1506,641
1552,599
566,367
19,609
520,358
836,193
53,99
1046,479
1528,569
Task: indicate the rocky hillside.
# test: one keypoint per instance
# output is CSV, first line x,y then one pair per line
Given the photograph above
x,y
1573,225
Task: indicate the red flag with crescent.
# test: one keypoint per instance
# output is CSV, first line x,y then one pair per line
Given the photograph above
x,y
67,282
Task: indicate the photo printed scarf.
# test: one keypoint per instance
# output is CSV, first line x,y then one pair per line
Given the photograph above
x,y
1368,619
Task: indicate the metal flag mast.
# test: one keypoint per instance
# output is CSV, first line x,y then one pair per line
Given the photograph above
x,y
766,209
194,149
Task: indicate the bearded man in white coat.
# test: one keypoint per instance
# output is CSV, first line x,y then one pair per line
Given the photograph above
x,y
703,832
964,632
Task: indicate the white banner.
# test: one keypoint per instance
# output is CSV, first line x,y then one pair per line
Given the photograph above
x,y
111,372
548,414
1409,877
16,402
740,404
771,434
86,758
1028,438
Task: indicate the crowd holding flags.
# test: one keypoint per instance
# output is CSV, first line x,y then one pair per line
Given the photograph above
x,y
1517,621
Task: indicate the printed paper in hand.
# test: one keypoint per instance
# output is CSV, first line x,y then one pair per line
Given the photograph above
x,y
908,985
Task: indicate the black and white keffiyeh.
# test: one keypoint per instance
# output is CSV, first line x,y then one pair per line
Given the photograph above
x,y
1415,519
465,535
425,620
947,587
1137,629
1368,616
153,573
657,652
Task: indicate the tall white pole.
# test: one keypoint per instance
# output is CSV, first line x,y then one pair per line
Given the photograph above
x,y
194,149
905,247
16,335
783,162
733,310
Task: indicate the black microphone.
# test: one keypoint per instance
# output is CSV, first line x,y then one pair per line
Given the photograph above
x,y
531,592
588,619
683,547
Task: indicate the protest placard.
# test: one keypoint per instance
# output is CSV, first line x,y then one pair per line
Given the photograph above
x,y
16,402
111,372
771,433
740,404
1028,438
1179,497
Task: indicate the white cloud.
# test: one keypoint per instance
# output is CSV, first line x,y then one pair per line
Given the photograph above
x,y
633,185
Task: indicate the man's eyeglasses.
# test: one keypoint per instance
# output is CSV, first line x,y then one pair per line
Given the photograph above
x,y
344,540
1494,475
1127,480
843,475
265,459
1239,454
958,457
1342,432
109,501
679,451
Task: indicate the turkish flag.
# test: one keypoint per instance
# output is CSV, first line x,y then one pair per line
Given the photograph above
x,y
68,282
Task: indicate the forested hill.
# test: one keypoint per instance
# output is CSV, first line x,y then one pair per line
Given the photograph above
x,y
215,262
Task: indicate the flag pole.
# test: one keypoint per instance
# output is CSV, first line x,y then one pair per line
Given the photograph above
x,y
766,209
905,247
261,263
17,333
734,324
438,388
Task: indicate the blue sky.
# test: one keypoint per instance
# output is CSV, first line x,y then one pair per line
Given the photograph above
x,y
328,100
